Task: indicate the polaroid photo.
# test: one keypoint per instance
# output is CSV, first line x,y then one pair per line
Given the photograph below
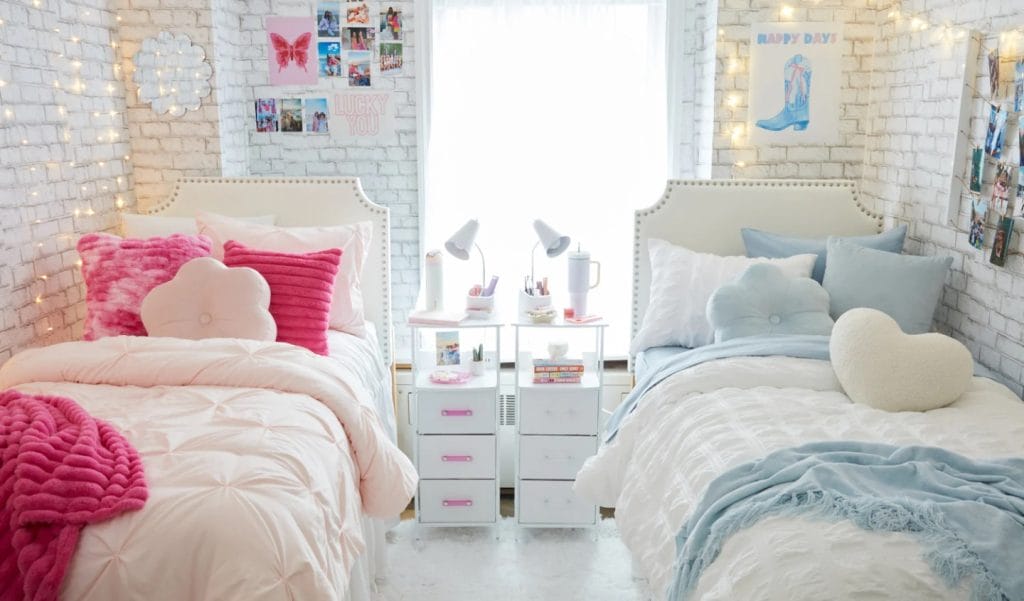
x,y
993,73
357,13
976,234
266,115
291,114
995,137
357,39
1020,189
390,58
391,24
447,346
1018,86
1001,241
328,19
359,69
317,115
977,169
1001,189
330,59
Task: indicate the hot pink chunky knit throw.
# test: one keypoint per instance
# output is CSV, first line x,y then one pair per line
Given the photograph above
x,y
60,469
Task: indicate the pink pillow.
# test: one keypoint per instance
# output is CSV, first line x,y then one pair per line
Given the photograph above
x,y
347,312
300,290
120,272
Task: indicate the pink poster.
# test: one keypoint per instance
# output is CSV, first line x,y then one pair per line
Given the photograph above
x,y
291,55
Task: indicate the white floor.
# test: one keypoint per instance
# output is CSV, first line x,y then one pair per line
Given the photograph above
x,y
506,563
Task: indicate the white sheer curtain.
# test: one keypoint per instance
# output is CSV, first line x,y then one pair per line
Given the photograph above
x,y
545,109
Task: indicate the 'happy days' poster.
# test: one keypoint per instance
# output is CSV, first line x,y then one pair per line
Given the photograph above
x,y
795,71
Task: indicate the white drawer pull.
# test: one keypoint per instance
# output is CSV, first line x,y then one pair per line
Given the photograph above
x,y
459,458
457,412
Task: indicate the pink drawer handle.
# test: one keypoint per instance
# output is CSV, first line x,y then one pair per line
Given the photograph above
x,y
457,503
462,458
457,412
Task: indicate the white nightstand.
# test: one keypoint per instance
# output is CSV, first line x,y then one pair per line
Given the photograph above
x,y
557,426
456,450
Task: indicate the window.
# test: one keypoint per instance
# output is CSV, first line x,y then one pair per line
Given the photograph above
x,y
552,110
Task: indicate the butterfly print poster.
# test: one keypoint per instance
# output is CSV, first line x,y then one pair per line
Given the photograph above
x,y
291,50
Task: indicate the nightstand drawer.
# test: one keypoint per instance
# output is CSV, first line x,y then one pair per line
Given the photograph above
x,y
457,501
456,456
548,503
554,457
455,411
558,411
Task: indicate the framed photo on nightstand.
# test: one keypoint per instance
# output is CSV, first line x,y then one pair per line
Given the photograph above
x,y
447,345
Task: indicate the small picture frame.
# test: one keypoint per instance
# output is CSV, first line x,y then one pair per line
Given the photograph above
x,y
446,345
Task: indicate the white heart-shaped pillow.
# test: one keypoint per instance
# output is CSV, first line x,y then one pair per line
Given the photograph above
x,y
880,366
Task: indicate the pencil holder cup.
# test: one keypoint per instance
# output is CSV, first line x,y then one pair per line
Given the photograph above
x,y
530,302
480,307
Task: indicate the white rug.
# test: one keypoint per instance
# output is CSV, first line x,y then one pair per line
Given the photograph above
x,y
505,563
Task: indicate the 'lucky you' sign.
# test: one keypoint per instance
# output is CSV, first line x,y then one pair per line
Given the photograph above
x,y
367,115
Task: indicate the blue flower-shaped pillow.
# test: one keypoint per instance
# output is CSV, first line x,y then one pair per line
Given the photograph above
x,y
764,300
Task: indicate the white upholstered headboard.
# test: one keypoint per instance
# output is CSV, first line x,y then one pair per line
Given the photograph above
x,y
301,201
707,215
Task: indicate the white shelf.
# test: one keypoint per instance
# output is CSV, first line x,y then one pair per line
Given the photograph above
x,y
559,323
488,380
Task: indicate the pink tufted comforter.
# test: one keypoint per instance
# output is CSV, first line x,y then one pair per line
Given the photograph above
x,y
263,460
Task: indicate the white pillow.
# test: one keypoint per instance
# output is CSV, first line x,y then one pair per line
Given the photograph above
x,y
206,299
347,314
682,281
152,226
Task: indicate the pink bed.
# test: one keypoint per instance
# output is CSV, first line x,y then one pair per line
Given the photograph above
x,y
265,465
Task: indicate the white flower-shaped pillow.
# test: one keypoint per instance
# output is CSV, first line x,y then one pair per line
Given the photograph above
x,y
206,299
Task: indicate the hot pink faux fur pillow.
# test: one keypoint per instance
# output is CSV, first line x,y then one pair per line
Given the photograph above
x,y
120,272
301,289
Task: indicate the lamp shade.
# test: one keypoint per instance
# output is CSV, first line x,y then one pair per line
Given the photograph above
x,y
462,241
554,243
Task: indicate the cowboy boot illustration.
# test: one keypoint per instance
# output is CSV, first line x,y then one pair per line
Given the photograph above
x,y
795,112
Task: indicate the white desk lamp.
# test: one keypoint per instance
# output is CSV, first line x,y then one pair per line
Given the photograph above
x,y
553,242
463,241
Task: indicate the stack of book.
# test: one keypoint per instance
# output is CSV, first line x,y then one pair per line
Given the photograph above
x,y
557,371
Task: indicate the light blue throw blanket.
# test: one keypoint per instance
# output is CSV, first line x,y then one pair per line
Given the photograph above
x,y
808,347
967,514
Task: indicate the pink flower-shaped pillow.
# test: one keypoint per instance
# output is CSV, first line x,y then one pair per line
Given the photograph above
x,y
120,272
210,300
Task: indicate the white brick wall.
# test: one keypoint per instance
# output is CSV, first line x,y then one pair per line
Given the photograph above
x,y
63,160
909,152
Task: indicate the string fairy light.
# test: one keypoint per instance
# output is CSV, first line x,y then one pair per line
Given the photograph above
x,y
100,187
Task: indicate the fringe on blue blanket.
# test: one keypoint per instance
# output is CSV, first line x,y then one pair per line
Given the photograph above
x,y
948,555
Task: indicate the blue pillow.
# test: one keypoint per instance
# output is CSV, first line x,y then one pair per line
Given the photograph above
x,y
764,301
775,246
906,287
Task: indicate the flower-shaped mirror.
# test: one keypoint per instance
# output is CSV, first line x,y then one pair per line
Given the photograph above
x,y
173,75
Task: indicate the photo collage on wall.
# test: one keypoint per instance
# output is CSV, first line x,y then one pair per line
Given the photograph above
x,y
346,33
292,115
1003,106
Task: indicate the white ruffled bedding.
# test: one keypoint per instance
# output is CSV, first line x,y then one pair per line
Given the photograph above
x,y
263,461
704,420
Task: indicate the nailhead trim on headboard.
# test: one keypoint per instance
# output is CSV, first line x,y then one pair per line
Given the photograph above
x,y
672,184
383,235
